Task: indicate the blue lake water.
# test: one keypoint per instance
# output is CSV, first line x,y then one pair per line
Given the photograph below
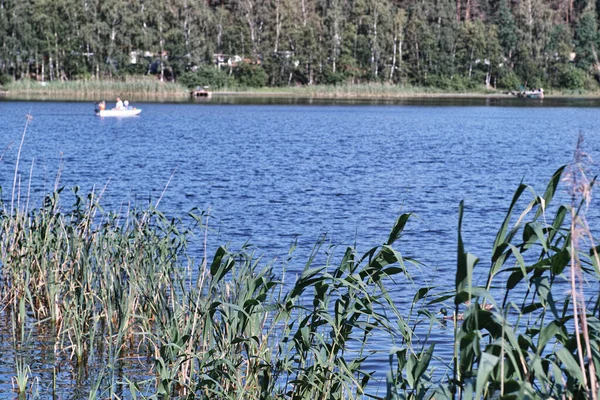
x,y
271,173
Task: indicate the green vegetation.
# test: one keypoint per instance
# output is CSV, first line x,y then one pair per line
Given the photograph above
x,y
455,46
103,289
132,87
367,90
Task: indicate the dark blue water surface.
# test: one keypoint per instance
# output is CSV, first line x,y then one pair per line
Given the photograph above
x,y
272,173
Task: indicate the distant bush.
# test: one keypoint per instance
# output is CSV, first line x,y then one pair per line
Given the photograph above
x,y
571,77
456,83
510,80
4,79
250,75
591,82
332,78
205,75
444,82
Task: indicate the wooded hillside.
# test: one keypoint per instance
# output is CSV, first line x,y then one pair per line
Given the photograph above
x,y
453,44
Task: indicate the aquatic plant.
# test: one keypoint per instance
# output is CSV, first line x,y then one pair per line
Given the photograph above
x,y
527,345
134,88
134,307
355,91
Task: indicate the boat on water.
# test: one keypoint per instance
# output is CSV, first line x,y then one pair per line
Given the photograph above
x,y
201,92
121,110
115,112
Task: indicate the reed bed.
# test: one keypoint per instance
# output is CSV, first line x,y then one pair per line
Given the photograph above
x,y
360,91
134,88
110,288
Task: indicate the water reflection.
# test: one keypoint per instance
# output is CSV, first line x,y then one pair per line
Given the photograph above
x,y
240,98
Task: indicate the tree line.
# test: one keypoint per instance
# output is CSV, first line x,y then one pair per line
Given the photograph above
x,y
450,44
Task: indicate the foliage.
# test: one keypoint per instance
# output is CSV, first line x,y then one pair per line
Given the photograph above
x,y
460,44
250,75
510,81
4,79
117,285
102,288
206,76
132,87
572,77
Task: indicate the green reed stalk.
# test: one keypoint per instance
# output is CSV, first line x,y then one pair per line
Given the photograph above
x,y
112,287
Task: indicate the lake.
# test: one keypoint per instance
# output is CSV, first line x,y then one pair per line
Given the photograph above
x,y
289,170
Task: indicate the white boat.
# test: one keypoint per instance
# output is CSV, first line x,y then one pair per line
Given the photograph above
x,y
124,112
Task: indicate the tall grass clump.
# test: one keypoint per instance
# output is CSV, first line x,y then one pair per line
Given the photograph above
x,y
532,331
134,88
117,287
361,91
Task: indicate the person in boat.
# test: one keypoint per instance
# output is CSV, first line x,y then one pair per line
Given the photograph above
x,y
126,104
101,105
119,105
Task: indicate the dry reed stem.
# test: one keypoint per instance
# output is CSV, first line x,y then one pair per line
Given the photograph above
x,y
580,189
28,118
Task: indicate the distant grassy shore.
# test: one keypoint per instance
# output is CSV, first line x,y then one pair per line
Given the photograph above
x,y
149,88
388,91
369,90
133,88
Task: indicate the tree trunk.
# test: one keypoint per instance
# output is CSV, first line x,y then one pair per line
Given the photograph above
x,y
249,11
471,64
394,50
418,57
303,13
277,25
468,11
374,52
336,36
51,66
57,56
219,32
162,53
187,28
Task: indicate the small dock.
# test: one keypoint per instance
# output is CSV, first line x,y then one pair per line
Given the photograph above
x,y
201,92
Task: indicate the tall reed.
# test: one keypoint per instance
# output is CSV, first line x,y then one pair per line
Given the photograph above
x,y
136,299
134,88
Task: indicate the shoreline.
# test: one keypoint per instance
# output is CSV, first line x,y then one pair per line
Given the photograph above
x,y
395,95
345,93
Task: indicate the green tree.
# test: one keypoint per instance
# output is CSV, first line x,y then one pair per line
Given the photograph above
x,y
421,45
398,25
507,29
586,38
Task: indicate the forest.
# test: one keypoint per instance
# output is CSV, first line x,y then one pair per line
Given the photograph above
x,y
454,45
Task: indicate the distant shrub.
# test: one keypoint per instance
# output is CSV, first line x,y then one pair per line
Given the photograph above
x,y
140,68
444,83
591,83
510,80
250,75
205,75
571,77
333,78
456,83
4,79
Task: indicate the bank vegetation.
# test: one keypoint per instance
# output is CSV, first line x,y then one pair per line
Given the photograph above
x,y
455,46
